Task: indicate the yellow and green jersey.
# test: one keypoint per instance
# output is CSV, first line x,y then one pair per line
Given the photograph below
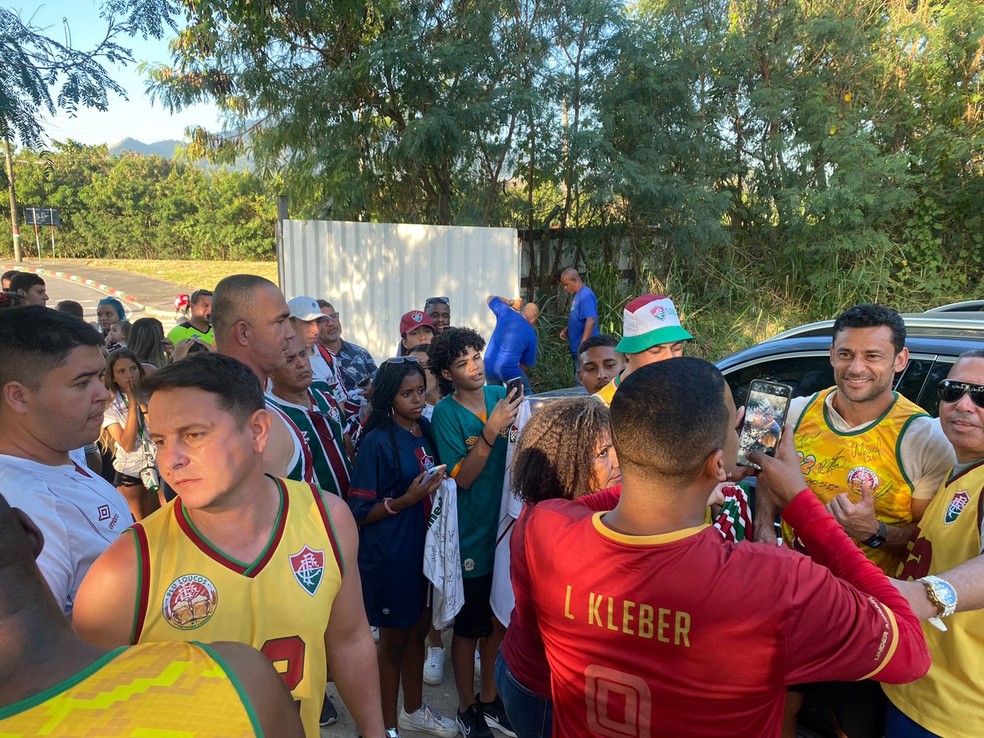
x,y
148,691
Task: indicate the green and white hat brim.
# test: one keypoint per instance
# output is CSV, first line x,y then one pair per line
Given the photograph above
x,y
655,337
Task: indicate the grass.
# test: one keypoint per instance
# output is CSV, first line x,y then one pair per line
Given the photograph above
x,y
180,271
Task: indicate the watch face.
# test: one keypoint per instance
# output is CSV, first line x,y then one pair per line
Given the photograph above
x,y
947,594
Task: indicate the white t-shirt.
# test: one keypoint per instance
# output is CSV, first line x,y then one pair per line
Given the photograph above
x,y
78,512
127,462
926,454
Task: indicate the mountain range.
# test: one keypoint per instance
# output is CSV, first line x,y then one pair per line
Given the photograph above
x,y
166,150
163,149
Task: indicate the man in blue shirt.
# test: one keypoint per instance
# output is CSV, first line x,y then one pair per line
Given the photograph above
x,y
583,320
512,346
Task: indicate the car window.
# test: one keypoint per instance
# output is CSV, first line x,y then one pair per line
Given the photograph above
x,y
910,382
928,399
806,374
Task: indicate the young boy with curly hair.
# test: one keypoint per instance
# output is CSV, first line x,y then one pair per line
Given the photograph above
x,y
469,428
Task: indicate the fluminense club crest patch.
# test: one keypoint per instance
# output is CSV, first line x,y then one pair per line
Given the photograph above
x,y
308,566
956,506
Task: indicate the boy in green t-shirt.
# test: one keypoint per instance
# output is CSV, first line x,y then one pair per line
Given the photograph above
x,y
469,429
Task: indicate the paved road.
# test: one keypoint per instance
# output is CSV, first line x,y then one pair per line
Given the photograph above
x,y
88,297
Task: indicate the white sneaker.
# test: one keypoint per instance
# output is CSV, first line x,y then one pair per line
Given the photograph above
x,y
434,666
428,720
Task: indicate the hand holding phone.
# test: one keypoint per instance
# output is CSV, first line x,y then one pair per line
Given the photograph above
x,y
433,472
765,416
514,383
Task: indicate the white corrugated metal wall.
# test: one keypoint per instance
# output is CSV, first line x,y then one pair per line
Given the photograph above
x,y
372,273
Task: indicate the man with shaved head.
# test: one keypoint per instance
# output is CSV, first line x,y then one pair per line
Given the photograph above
x,y
583,320
251,322
512,346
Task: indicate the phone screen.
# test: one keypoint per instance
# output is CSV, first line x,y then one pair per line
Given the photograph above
x,y
514,383
765,416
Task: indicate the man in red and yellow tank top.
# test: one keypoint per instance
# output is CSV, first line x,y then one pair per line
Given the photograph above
x,y
238,556
874,458
55,685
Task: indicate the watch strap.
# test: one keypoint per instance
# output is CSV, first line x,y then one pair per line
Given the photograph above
x,y
879,537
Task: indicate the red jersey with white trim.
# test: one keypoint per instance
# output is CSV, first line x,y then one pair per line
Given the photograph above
x,y
684,634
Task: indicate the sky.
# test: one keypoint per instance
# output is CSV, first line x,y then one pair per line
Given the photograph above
x,y
136,117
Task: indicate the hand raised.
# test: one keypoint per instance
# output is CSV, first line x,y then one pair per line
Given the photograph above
x,y
781,477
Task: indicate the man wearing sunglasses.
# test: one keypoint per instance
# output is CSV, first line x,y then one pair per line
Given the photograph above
x,y
875,459
945,562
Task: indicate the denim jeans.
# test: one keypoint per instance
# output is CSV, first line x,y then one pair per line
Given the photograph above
x,y
899,725
531,716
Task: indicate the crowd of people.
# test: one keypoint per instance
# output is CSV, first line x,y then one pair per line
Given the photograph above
x,y
172,504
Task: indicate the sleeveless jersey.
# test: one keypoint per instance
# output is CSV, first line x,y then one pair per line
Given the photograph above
x,y
323,432
278,604
835,462
301,467
948,700
607,393
154,689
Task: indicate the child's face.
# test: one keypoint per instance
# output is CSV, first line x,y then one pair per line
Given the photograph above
x,y
116,332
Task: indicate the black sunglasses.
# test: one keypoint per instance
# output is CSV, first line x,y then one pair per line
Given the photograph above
x,y
951,391
433,300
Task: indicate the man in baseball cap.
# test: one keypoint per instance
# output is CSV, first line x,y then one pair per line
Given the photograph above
x,y
416,327
651,332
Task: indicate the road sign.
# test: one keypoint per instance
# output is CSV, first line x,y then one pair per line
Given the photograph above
x,y
42,217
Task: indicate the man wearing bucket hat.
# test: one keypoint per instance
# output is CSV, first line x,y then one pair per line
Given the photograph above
x,y
651,332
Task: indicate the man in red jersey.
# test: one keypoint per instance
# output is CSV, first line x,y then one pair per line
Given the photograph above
x,y
654,626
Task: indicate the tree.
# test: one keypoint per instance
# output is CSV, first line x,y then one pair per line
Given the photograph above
x,y
34,65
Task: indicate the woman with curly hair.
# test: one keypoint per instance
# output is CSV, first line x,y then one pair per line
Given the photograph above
x,y
389,497
564,451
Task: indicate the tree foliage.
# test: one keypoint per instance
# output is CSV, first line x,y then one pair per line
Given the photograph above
x,y
146,207
35,65
836,142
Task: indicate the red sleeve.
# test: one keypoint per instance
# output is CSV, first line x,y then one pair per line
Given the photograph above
x,y
871,632
602,501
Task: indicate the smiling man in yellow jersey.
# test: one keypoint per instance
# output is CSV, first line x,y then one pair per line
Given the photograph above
x,y
53,684
239,555
945,557
651,332
875,459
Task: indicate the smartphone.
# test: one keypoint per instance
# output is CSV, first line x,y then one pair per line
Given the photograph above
x,y
765,417
433,472
514,383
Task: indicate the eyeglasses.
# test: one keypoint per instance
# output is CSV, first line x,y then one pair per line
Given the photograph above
x,y
951,391
434,300
331,317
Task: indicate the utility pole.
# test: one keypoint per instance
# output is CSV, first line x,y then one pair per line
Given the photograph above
x,y
18,257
